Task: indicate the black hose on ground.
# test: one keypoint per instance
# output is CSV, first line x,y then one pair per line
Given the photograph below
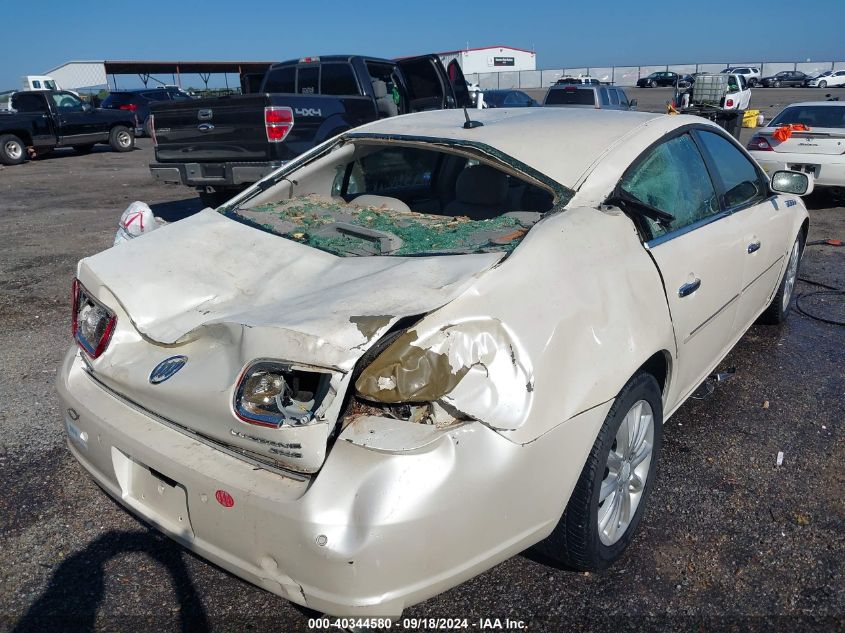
x,y
830,291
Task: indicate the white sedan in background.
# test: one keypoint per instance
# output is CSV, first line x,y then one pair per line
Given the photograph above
x,y
426,345
835,78
819,151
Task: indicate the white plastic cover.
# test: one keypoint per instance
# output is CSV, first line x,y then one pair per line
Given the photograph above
x,y
136,220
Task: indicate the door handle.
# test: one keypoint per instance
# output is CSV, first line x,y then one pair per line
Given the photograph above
x,y
688,289
754,247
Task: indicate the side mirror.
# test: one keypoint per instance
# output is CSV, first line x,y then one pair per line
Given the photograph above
x,y
632,104
791,182
87,107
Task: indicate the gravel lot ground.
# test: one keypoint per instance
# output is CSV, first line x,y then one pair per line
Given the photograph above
x,y
728,541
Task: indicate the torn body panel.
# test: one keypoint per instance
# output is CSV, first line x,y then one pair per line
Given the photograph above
x,y
534,367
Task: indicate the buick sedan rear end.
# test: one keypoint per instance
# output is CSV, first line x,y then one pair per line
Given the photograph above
x,y
307,385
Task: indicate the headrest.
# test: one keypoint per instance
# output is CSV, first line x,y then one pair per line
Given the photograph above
x,y
481,184
379,88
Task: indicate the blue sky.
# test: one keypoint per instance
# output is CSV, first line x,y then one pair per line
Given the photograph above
x,y
563,33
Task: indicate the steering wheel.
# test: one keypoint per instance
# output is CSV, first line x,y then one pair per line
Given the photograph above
x,y
67,102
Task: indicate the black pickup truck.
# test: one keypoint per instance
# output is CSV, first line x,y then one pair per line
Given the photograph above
x,y
46,119
222,145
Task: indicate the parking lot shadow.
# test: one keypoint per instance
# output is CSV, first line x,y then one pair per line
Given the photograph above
x,y
177,209
73,595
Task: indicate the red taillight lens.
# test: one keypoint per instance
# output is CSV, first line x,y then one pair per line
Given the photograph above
x,y
278,121
129,106
729,103
93,323
759,144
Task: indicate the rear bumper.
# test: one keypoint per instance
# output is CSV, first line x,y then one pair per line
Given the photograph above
x,y
827,170
378,529
213,174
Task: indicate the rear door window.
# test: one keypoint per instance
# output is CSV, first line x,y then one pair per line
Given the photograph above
x,y
281,80
673,178
338,79
614,96
29,103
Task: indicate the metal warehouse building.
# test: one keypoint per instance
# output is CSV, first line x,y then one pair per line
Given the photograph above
x,y
491,59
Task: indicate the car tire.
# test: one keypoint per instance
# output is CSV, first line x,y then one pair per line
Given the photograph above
x,y
652,84
822,84
12,150
214,199
776,84
752,83
778,309
83,149
121,139
578,541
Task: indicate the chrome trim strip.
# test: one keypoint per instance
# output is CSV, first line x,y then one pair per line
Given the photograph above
x,y
223,448
711,317
762,273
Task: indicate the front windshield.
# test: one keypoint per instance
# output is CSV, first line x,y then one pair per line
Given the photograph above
x,y
400,201
832,116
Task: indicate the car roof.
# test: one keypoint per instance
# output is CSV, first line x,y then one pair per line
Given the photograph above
x,y
137,90
534,136
816,103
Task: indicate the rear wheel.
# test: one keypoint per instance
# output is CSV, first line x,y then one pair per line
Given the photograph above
x,y
776,84
822,84
83,149
752,83
121,139
778,309
12,150
607,504
652,84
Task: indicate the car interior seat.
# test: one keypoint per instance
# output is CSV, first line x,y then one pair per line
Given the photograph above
x,y
384,101
481,193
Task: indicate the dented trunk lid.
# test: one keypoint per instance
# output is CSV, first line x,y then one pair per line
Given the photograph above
x,y
224,294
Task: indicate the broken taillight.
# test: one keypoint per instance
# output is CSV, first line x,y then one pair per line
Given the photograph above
x,y
275,394
759,143
278,122
93,323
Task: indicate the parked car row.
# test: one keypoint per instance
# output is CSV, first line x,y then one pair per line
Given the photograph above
x,y
752,76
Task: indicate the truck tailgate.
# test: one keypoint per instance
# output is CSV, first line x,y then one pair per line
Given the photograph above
x,y
215,129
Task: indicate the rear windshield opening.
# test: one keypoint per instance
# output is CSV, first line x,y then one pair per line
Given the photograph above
x,y
400,200
812,116
570,96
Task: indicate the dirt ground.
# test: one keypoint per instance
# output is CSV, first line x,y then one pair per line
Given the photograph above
x,y
729,541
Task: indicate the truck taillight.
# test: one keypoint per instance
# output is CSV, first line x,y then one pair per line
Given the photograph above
x,y
93,323
729,103
129,106
278,122
759,143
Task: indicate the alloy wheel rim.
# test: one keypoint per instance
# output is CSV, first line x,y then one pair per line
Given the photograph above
x,y
791,275
123,139
13,150
626,472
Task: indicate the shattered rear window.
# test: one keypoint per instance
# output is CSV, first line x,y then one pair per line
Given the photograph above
x,y
345,229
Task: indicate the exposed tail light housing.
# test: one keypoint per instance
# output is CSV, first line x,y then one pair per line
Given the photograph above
x,y
278,122
93,323
759,144
129,106
276,394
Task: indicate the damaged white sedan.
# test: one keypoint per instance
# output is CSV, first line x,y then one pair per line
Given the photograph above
x,y
425,346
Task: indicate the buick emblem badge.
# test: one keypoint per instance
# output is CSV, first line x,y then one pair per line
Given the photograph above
x,y
167,368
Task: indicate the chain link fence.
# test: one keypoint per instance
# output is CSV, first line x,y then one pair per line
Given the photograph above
x,y
628,75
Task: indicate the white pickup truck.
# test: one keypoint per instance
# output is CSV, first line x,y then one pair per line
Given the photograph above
x,y
729,91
